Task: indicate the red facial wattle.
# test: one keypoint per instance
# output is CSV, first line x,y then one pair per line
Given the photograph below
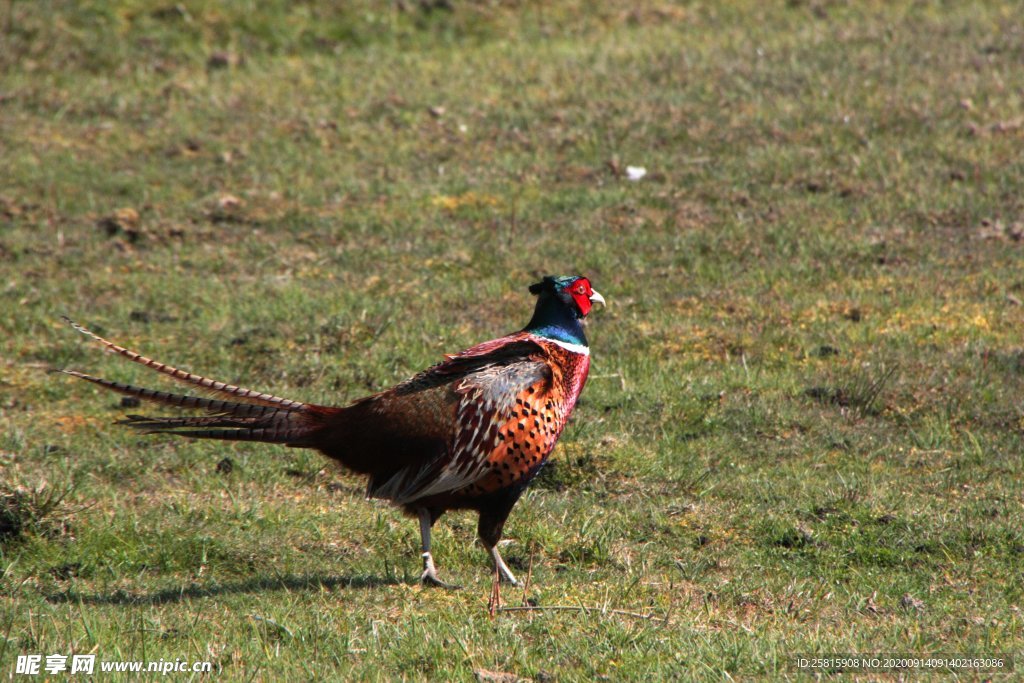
x,y
583,294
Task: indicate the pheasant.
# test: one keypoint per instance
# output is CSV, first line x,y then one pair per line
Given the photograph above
x,y
467,433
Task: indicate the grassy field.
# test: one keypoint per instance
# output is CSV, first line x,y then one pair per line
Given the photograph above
x,y
803,427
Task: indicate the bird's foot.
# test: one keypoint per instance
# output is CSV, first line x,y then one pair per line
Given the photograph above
x,y
503,571
429,578
508,577
429,575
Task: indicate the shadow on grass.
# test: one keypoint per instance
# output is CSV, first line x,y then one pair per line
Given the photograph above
x,y
172,595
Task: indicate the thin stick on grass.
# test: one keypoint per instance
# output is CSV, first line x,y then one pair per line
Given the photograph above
x,y
582,608
529,575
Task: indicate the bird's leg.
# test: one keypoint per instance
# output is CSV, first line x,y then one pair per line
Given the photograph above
x,y
429,576
501,567
494,603
492,522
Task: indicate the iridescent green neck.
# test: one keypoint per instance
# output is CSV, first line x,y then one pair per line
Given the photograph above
x,y
556,319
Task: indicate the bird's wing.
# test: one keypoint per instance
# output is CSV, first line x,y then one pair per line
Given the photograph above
x,y
484,389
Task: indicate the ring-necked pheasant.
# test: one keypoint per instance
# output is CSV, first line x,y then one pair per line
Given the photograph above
x,y
468,433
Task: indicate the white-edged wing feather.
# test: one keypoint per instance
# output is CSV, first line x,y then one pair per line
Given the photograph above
x,y
487,399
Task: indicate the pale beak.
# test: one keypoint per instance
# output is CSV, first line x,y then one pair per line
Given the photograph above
x,y
597,299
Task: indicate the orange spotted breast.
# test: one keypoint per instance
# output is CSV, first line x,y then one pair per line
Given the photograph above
x,y
526,438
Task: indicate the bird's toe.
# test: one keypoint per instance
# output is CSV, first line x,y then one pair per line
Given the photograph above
x,y
429,578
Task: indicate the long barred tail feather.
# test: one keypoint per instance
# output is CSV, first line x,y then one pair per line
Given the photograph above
x,y
291,428
213,405
239,393
225,429
262,435
165,423
252,416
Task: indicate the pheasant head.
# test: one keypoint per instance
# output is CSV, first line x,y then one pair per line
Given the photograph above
x,y
562,303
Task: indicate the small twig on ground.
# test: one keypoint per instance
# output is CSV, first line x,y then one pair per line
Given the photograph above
x,y
529,575
581,608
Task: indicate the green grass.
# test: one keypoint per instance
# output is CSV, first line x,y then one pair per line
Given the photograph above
x,y
802,431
